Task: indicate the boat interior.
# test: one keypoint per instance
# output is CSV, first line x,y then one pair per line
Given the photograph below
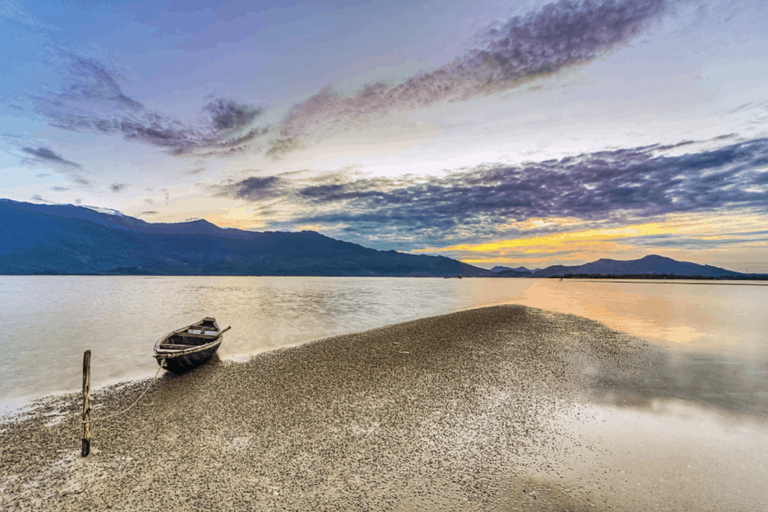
x,y
195,335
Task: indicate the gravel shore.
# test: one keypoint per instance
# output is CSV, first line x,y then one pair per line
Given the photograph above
x,y
477,410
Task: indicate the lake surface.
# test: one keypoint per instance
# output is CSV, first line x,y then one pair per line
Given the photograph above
x,y
715,330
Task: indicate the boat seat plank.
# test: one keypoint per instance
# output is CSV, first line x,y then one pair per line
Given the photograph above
x,y
189,335
177,346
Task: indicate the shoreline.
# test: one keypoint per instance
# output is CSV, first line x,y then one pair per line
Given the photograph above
x,y
493,408
24,405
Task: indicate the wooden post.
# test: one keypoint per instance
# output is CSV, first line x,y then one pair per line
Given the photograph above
x,y
86,403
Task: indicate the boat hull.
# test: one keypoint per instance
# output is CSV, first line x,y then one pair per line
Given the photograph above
x,y
180,363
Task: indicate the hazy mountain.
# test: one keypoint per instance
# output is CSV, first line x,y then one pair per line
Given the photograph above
x,y
512,273
652,264
499,268
65,239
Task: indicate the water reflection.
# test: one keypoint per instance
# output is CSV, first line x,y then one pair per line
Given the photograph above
x,y
669,455
717,381
707,316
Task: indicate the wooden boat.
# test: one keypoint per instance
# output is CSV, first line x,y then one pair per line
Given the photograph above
x,y
190,346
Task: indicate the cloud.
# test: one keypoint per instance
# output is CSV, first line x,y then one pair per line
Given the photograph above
x,y
80,180
559,35
284,145
227,115
538,44
11,10
253,188
91,99
118,187
90,81
38,198
622,185
47,156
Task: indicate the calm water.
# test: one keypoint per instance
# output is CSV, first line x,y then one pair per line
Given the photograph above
x,y
48,321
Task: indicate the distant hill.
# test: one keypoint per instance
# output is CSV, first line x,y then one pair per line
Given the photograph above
x,y
648,265
502,269
66,239
513,273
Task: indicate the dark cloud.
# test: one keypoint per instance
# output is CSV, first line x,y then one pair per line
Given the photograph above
x,y
559,35
118,187
677,241
91,99
47,156
227,115
149,212
254,188
624,185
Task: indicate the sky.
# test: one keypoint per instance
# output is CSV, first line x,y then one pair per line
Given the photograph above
x,y
498,133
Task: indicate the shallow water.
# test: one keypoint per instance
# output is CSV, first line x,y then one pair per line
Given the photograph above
x,y
714,330
668,455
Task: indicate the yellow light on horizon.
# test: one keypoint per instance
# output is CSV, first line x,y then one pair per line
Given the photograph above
x,y
560,239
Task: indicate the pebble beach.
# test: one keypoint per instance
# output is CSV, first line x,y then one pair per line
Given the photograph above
x,y
499,408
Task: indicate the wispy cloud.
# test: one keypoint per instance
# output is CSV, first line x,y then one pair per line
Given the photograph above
x,y
118,187
11,10
538,44
40,199
48,156
559,35
43,156
92,100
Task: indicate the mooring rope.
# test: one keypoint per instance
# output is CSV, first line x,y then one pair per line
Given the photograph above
x,y
94,420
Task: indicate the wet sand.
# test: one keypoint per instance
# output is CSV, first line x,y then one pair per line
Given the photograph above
x,y
501,408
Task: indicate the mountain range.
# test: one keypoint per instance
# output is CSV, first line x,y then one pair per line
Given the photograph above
x,y
648,265
67,239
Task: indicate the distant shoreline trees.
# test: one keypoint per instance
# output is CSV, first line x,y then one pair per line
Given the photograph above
x,y
743,277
